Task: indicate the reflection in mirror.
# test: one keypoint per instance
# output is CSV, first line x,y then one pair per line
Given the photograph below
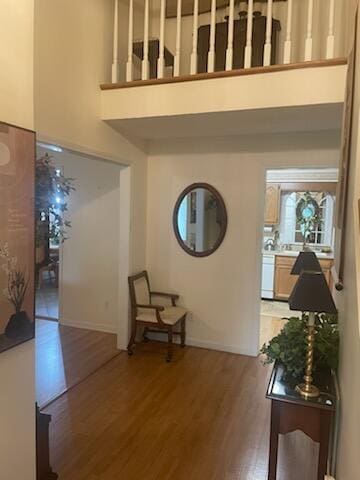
x,y
200,220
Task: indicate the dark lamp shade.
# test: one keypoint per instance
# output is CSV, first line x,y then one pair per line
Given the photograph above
x,y
306,261
312,294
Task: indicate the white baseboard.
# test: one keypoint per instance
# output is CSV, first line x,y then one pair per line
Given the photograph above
x,y
221,347
99,327
193,342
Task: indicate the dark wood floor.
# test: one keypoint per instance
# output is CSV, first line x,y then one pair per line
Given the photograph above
x,y
201,417
67,355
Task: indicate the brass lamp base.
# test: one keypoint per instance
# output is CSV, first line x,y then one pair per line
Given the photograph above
x,y
307,391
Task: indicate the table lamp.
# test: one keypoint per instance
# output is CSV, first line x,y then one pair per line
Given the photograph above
x,y
306,261
311,294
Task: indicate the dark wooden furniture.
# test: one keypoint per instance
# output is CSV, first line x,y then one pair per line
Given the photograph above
x,y
138,49
290,412
240,27
43,468
153,317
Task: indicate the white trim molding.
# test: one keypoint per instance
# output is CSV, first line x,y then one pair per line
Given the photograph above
x,y
193,342
294,175
99,327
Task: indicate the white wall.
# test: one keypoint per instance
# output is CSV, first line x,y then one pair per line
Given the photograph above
x,y
73,56
349,310
17,398
222,290
90,256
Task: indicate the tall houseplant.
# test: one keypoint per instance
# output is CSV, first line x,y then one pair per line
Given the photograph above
x,y
52,191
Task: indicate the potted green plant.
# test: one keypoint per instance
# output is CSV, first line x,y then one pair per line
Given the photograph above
x,y
289,347
52,190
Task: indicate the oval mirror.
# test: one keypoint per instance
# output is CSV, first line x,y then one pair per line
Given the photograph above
x,y
200,220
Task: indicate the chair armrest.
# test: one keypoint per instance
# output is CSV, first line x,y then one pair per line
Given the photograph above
x,y
172,296
159,308
163,294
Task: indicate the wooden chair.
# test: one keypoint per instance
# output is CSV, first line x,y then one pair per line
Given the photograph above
x,y
154,317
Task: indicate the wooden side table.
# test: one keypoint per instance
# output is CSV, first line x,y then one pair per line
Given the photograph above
x,y
290,412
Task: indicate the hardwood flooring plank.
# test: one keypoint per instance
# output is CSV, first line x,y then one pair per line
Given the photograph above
x,y
67,355
201,417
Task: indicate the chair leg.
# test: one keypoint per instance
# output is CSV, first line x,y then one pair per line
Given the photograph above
x,y
183,332
145,338
170,345
132,340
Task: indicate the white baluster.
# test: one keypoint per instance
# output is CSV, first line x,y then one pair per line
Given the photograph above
x,y
129,63
211,53
229,50
308,41
287,44
249,29
330,44
193,58
267,46
145,61
115,64
178,40
161,59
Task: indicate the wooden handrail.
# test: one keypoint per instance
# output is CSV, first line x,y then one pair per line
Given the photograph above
x,y
225,74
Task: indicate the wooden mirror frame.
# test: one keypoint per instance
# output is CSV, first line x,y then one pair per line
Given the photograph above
x,y
223,227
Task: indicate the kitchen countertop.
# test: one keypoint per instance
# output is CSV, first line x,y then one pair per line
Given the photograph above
x,y
294,253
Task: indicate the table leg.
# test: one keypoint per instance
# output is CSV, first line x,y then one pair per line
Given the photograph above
x,y
274,439
324,444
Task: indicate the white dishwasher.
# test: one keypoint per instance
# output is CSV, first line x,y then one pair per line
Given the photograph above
x,y
268,273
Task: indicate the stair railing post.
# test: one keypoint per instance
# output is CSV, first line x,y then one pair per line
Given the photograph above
x,y
268,35
115,64
249,29
129,63
230,45
194,56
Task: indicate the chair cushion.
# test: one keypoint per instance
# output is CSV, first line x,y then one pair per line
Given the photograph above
x,y
169,316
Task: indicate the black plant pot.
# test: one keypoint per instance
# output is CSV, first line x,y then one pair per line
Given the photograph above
x,y
19,326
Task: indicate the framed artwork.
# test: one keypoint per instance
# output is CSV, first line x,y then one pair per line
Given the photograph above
x,y
342,194
17,236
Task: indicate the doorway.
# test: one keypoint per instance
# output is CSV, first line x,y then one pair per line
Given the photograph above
x,y
288,192
84,291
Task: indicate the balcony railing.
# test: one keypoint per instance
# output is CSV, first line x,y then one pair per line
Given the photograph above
x,y
174,38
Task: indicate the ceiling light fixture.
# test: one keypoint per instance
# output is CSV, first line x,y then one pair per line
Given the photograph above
x,y
48,146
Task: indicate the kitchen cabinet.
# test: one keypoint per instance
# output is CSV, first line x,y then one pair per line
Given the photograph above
x,y
285,282
272,204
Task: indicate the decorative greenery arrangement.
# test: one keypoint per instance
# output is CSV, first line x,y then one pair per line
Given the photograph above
x,y
307,215
289,347
52,188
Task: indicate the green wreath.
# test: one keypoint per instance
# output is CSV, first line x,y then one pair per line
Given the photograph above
x,y
307,214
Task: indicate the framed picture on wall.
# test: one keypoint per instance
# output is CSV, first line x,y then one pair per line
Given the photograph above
x,y
345,156
17,235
